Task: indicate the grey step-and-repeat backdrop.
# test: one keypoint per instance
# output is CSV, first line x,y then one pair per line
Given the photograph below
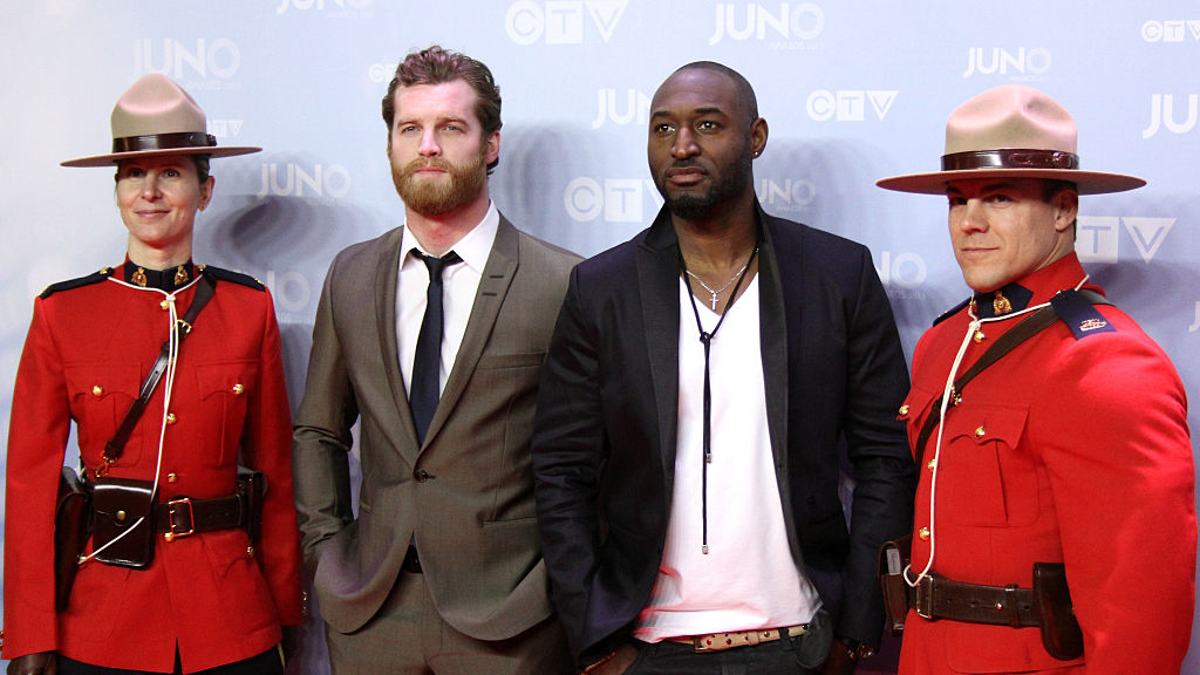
x,y
853,91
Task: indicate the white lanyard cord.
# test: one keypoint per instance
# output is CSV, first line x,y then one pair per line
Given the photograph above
x,y
168,389
947,394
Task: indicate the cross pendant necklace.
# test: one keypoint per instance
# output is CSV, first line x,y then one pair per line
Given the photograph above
x,y
737,275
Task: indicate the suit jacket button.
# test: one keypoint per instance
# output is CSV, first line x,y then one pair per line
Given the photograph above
x,y
421,475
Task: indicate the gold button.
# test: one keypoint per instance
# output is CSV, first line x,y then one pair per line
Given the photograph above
x,y
249,551
170,418
171,477
979,336
164,304
980,432
238,389
97,391
924,534
169,536
120,515
904,409
931,465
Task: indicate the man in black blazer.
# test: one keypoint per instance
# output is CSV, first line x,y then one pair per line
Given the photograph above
x,y
702,386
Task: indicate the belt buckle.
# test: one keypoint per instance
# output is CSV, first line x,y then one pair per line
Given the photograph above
x,y
923,601
172,534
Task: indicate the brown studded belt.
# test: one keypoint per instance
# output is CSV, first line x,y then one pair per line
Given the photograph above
x,y
715,642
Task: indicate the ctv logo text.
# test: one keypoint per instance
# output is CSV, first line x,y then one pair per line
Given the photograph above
x,y
1096,237
1177,30
614,200
560,22
824,105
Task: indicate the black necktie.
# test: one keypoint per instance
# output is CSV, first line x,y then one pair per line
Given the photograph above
x,y
423,391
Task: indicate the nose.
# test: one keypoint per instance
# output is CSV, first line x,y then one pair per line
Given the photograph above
x,y
429,145
684,145
150,185
972,217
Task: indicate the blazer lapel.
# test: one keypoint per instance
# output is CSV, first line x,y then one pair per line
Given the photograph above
x,y
774,342
497,278
385,310
658,287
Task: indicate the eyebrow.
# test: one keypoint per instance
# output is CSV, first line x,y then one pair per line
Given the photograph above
x,y
698,111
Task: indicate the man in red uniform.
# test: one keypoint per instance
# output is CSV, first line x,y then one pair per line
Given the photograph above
x,y
1071,448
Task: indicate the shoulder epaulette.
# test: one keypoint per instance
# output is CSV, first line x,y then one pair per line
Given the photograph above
x,y
93,278
234,277
951,312
1078,310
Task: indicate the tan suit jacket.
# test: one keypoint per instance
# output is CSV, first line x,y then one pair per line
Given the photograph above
x,y
466,494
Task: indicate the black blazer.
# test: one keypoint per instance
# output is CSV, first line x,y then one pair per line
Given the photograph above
x,y
605,432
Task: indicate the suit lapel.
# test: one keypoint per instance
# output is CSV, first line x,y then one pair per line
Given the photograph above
x,y
497,278
658,287
775,295
385,309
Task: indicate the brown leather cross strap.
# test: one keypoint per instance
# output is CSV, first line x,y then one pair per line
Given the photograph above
x,y
116,446
1030,326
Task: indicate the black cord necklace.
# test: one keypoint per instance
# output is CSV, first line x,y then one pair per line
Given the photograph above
x,y
706,339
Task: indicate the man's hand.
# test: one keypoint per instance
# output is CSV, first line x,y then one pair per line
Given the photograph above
x,y
838,662
618,663
43,663
289,646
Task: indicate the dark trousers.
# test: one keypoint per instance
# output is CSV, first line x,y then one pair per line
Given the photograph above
x,y
799,655
266,663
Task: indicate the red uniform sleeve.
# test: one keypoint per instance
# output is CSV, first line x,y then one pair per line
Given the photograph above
x,y
1121,469
37,437
267,447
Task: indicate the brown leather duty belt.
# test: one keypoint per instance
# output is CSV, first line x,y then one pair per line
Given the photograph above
x,y
940,598
182,516
715,642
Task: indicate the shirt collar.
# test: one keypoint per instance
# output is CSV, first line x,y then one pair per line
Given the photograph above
x,y
474,247
1032,289
169,280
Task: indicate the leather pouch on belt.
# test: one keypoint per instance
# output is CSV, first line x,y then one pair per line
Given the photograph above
x,y
72,521
894,556
1061,635
118,505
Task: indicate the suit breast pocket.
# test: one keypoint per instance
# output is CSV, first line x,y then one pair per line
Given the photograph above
x,y
986,476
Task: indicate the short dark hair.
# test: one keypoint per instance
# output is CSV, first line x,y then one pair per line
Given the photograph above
x,y
435,65
1051,187
744,91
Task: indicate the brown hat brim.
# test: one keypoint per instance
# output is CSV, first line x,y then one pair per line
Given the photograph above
x,y
112,159
1086,182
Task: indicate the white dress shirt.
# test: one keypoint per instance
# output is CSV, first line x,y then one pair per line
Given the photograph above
x,y
459,284
748,580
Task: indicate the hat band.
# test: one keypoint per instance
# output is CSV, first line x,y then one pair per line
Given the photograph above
x,y
1010,159
187,139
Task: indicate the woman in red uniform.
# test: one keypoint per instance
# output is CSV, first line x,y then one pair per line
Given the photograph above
x,y
197,594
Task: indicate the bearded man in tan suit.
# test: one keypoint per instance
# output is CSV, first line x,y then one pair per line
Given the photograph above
x,y
441,570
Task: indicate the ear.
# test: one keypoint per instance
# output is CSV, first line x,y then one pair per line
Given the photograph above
x,y
758,137
206,192
1066,208
492,146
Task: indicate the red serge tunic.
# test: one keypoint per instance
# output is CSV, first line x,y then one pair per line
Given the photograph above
x,y
1069,449
90,344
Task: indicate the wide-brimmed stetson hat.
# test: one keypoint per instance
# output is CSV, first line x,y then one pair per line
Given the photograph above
x,y
157,117
1011,131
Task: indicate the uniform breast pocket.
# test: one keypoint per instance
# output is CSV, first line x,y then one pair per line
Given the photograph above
x,y
101,395
224,391
986,477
